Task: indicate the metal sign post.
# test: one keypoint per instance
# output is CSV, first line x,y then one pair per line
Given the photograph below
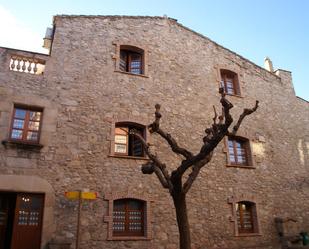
x,y
79,195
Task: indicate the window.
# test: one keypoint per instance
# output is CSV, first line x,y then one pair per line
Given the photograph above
x,y
127,144
239,151
246,217
131,59
128,217
26,124
131,62
229,81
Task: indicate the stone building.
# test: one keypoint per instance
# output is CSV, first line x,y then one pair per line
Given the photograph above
x,y
64,122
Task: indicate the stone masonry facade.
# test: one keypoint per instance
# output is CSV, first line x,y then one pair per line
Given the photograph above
x,y
83,94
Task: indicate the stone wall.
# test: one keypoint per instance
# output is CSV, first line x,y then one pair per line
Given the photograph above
x,y
83,95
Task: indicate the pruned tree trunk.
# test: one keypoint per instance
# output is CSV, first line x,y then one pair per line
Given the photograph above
x,y
194,162
182,221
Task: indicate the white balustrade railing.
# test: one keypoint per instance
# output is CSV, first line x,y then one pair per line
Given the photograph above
x,y
27,65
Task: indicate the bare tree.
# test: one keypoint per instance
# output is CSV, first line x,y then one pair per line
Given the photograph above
x,y
174,182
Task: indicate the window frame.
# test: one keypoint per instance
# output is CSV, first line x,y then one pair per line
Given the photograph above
x,y
129,125
127,222
247,148
128,61
133,47
245,198
25,128
228,74
241,221
148,216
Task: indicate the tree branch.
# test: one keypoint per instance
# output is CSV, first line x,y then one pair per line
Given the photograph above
x,y
214,135
157,164
245,113
150,167
155,128
195,171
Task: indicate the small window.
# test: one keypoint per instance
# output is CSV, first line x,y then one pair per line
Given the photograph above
x,y
126,143
239,151
246,217
131,60
229,82
26,124
128,217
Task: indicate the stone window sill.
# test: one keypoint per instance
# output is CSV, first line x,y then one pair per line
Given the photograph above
x,y
134,74
128,238
248,235
234,95
240,166
22,144
130,157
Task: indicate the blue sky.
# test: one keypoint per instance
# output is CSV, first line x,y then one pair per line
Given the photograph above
x,y
253,29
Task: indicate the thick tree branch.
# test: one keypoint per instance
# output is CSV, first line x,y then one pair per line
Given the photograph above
x,y
216,115
213,137
245,113
155,128
157,164
150,167
195,171
173,144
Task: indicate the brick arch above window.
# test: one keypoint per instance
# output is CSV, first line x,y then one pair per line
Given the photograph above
x,y
131,58
144,212
245,215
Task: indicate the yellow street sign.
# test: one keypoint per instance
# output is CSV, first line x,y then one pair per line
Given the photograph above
x,y
73,195
89,195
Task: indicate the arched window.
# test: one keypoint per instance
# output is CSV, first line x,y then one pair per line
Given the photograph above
x,y
131,59
229,82
127,144
128,217
246,217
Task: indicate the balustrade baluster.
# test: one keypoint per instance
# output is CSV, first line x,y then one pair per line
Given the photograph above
x,y
29,67
35,69
13,63
18,64
23,64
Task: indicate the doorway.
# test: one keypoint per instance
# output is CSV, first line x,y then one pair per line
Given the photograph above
x,y
20,220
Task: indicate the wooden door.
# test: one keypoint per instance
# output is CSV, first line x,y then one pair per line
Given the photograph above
x,y
28,221
4,209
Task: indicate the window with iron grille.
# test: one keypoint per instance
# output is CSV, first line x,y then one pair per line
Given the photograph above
x,y
26,124
246,217
229,82
239,152
128,217
126,143
131,61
